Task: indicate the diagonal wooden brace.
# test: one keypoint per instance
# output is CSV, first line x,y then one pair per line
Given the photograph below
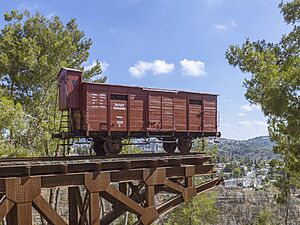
x,y
5,207
47,212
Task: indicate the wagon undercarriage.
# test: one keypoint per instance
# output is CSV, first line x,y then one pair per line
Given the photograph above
x,y
108,114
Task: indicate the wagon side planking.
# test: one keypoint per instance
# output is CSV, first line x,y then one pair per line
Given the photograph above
x,y
110,113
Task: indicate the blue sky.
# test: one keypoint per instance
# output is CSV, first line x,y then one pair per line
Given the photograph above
x,y
177,44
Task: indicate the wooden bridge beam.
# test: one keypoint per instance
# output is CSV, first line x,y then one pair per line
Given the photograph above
x,y
135,193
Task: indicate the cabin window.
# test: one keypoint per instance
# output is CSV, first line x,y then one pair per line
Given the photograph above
x,y
118,97
195,102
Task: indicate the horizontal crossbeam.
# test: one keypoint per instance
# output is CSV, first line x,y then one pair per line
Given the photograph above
x,y
89,181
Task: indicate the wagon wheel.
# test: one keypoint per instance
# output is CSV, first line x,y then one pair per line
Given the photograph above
x,y
169,147
112,147
99,147
184,145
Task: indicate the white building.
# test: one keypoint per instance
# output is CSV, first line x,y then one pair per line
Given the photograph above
x,y
231,183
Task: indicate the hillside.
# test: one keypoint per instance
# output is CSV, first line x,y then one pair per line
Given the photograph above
x,y
258,148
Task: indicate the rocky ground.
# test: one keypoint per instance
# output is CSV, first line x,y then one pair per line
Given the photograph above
x,y
240,207
237,206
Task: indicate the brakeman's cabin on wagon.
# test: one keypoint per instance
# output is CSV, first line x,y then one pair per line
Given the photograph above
x,y
110,113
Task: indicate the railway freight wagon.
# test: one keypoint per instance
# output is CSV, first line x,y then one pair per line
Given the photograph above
x,y
110,113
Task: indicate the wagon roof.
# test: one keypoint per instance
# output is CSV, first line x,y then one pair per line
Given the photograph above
x,y
69,69
151,89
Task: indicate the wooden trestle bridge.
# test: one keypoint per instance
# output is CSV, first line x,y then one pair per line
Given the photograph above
x,y
128,182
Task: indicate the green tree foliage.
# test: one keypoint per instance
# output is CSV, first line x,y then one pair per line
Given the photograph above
x,y
127,219
202,145
284,182
33,48
274,84
12,117
12,120
130,149
264,217
237,172
199,210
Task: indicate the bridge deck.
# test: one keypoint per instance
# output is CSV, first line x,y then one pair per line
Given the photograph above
x,y
140,178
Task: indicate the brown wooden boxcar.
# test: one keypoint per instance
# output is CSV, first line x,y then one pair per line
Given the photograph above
x,y
110,113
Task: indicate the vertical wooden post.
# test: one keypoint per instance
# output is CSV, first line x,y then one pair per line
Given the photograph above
x,y
95,183
189,173
73,205
22,191
24,213
188,181
94,208
123,188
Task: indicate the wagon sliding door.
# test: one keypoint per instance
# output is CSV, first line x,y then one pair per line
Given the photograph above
x,y
161,111
210,113
154,111
118,112
195,114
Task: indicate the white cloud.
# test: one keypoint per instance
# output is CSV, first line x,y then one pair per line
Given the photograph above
x,y
112,30
241,114
260,123
220,27
50,15
156,67
225,26
252,124
192,68
249,108
30,7
104,65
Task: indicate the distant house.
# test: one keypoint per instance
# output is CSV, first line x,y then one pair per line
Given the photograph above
x,y
219,167
153,146
231,183
247,182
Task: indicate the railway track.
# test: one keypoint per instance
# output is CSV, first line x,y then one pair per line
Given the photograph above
x,y
16,167
129,182
88,157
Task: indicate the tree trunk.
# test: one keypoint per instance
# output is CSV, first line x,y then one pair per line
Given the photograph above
x,y
42,220
102,206
287,210
56,199
46,146
126,218
51,196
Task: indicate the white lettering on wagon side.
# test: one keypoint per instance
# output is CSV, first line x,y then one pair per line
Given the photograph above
x,y
119,106
98,101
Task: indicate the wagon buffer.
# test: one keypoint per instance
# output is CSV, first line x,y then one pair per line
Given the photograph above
x,y
108,114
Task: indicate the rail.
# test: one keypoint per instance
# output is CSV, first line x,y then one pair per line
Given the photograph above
x,y
89,179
